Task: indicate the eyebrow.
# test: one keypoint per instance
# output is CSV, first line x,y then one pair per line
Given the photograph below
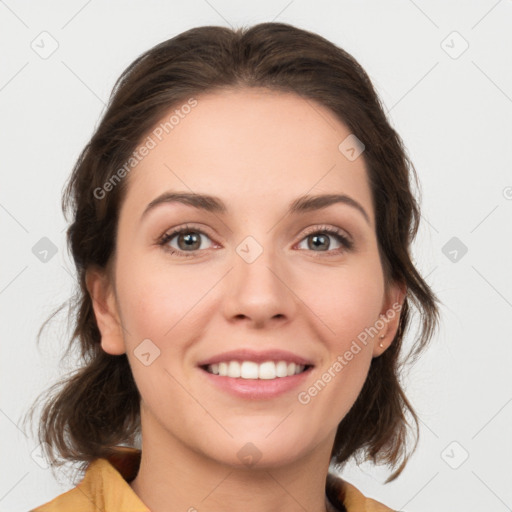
x,y
213,204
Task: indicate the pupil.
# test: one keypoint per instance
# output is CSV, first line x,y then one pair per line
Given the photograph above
x,y
191,239
316,238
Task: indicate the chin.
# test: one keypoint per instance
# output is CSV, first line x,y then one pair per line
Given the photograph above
x,y
259,451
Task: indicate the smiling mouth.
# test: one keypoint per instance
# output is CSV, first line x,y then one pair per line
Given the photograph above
x,y
251,370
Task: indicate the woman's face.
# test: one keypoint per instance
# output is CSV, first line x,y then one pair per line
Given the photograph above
x,y
251,275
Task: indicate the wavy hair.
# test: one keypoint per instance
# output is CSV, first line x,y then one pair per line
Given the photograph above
x,y
89,412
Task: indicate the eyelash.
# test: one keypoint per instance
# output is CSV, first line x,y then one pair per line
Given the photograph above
x,y
167,237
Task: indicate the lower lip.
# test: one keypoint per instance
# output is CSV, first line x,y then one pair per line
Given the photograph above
x,y
257,388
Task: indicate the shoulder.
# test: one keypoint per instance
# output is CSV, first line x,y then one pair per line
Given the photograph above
x,y
346,497
80,497
104,487
355,499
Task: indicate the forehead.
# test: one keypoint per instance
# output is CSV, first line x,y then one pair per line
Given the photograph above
x,y
249,146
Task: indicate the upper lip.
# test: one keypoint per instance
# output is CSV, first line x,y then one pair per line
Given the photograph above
x,y
257,357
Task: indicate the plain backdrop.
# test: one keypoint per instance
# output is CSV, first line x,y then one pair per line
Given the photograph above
x,y
443,71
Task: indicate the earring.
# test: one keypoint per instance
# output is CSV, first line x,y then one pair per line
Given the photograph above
x,y
381,345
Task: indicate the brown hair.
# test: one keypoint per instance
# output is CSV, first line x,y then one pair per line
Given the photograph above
x,y
97,407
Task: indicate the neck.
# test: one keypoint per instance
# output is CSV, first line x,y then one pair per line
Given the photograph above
x,y
172,477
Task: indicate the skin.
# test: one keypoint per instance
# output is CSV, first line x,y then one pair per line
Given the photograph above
x,y
257,150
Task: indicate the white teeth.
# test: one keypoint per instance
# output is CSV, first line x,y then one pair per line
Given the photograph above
x,y
234,369
223,369
267,370
250,370
281,369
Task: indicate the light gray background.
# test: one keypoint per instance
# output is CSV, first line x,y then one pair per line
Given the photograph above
x,y
454,113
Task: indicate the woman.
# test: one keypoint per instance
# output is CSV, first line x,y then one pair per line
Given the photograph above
x,y
242,222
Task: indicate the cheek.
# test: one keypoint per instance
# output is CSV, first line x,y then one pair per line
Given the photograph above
x,y
348,305
169,308
158,307
348,301
155,300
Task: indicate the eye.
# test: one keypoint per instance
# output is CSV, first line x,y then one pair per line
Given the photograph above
x,y
188,243
189,239
318,238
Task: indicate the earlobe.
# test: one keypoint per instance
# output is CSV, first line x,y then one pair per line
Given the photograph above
x,y
105,310
390,317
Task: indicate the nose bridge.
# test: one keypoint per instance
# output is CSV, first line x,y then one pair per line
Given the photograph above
x,y
257,288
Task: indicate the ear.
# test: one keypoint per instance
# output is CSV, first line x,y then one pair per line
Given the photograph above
x,y
105,310
389,318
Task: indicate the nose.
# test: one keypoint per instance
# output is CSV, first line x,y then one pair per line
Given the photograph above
x,y
259,292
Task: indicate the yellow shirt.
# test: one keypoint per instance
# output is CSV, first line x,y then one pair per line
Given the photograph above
x,y
105,487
